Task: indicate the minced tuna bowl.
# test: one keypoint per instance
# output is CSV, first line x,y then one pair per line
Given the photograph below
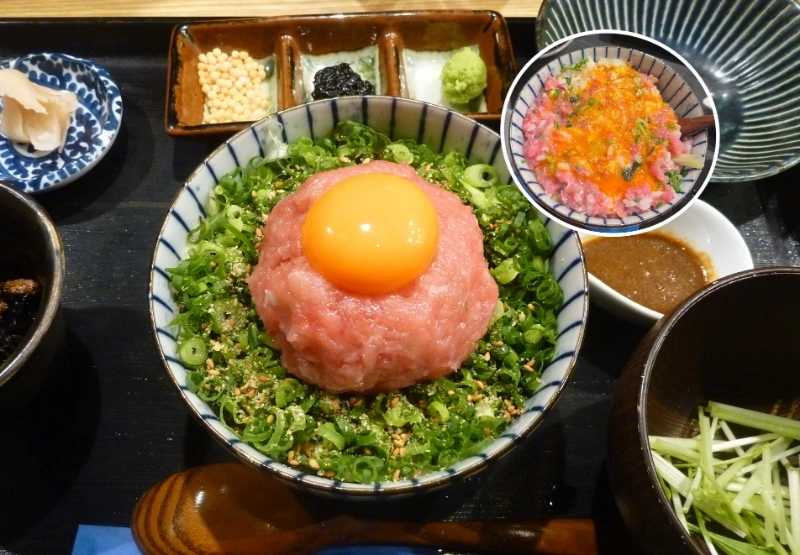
x,y
602,141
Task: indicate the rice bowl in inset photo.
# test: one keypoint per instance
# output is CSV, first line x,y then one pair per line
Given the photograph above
x,y
597,133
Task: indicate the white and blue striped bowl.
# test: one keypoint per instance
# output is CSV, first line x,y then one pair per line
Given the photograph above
x,y
398,118
529,85
747,52
92,128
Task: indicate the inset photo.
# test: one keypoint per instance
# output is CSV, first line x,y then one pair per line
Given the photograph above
x,y
610,133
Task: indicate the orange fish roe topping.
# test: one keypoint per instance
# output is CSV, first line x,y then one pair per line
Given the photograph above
x,y
610,126
602,138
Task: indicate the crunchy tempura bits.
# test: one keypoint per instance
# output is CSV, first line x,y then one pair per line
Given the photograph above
x,y
234,86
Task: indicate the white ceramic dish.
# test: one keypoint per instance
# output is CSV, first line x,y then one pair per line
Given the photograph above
x,y
703,228
397,118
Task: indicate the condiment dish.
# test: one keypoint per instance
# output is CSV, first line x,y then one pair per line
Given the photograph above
x,y
746,52
733,342
396,44
397,118
92,129
645,55
702,228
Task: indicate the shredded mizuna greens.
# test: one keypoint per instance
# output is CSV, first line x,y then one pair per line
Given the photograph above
x,y
232,364
740,494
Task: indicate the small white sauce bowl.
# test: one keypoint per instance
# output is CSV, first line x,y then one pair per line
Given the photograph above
x,y
704,229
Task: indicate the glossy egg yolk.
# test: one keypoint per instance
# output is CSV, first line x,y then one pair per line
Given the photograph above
x,y
371,234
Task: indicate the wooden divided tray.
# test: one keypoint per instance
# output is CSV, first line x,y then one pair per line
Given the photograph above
x,y
285,42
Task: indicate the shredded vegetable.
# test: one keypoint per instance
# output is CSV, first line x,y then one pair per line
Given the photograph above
x,y
740,494
233,365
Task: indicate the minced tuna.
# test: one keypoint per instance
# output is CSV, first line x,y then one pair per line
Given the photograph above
x,y
342,341
602,141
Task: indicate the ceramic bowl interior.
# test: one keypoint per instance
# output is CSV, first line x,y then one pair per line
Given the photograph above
x,y
30,248
642,54
703,351
397,118
393,37
746,51
92,129
702,228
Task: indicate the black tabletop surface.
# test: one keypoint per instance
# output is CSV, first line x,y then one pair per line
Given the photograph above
x,y
108,424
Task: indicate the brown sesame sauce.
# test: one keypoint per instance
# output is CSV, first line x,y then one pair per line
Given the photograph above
x,y
653,269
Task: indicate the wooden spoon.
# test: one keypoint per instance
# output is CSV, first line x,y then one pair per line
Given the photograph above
x,y
692,125
232,508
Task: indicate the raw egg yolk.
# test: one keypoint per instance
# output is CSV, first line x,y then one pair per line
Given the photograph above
x,y
371,234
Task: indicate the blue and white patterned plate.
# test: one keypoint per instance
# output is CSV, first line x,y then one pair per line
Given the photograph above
x,y
747,52
648,57
92,128
398,118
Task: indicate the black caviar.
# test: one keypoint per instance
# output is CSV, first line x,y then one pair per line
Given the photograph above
x,y
340,80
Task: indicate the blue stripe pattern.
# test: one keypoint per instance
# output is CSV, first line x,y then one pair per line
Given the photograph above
x,y
483,145
747,51
530,85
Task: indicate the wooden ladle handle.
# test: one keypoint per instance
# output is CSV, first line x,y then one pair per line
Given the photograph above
x,y
231,508
692,125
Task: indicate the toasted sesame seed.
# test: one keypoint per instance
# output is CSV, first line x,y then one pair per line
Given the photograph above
x,y
480,384
212,372
487,356
290,455
498,343
237,391
271,418
396,475
397,443
451,392
263,379
521,316
487,432
330,474
313,464
207,387
294,462
210,363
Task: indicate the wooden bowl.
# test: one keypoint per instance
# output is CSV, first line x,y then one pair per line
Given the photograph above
x,y
31,248
736,342
287,39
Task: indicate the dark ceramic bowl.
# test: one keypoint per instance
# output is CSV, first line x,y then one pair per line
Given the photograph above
x,y
30,247
746,51
735,342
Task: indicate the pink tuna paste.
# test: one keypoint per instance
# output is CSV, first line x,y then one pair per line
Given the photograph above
x,y
342,341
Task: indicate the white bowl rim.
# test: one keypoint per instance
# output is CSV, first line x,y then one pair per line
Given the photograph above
x,y
716,218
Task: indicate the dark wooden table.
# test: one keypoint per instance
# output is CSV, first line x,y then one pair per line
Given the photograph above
x,y
109,424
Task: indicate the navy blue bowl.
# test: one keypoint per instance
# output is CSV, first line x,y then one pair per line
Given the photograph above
x,y
746,51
